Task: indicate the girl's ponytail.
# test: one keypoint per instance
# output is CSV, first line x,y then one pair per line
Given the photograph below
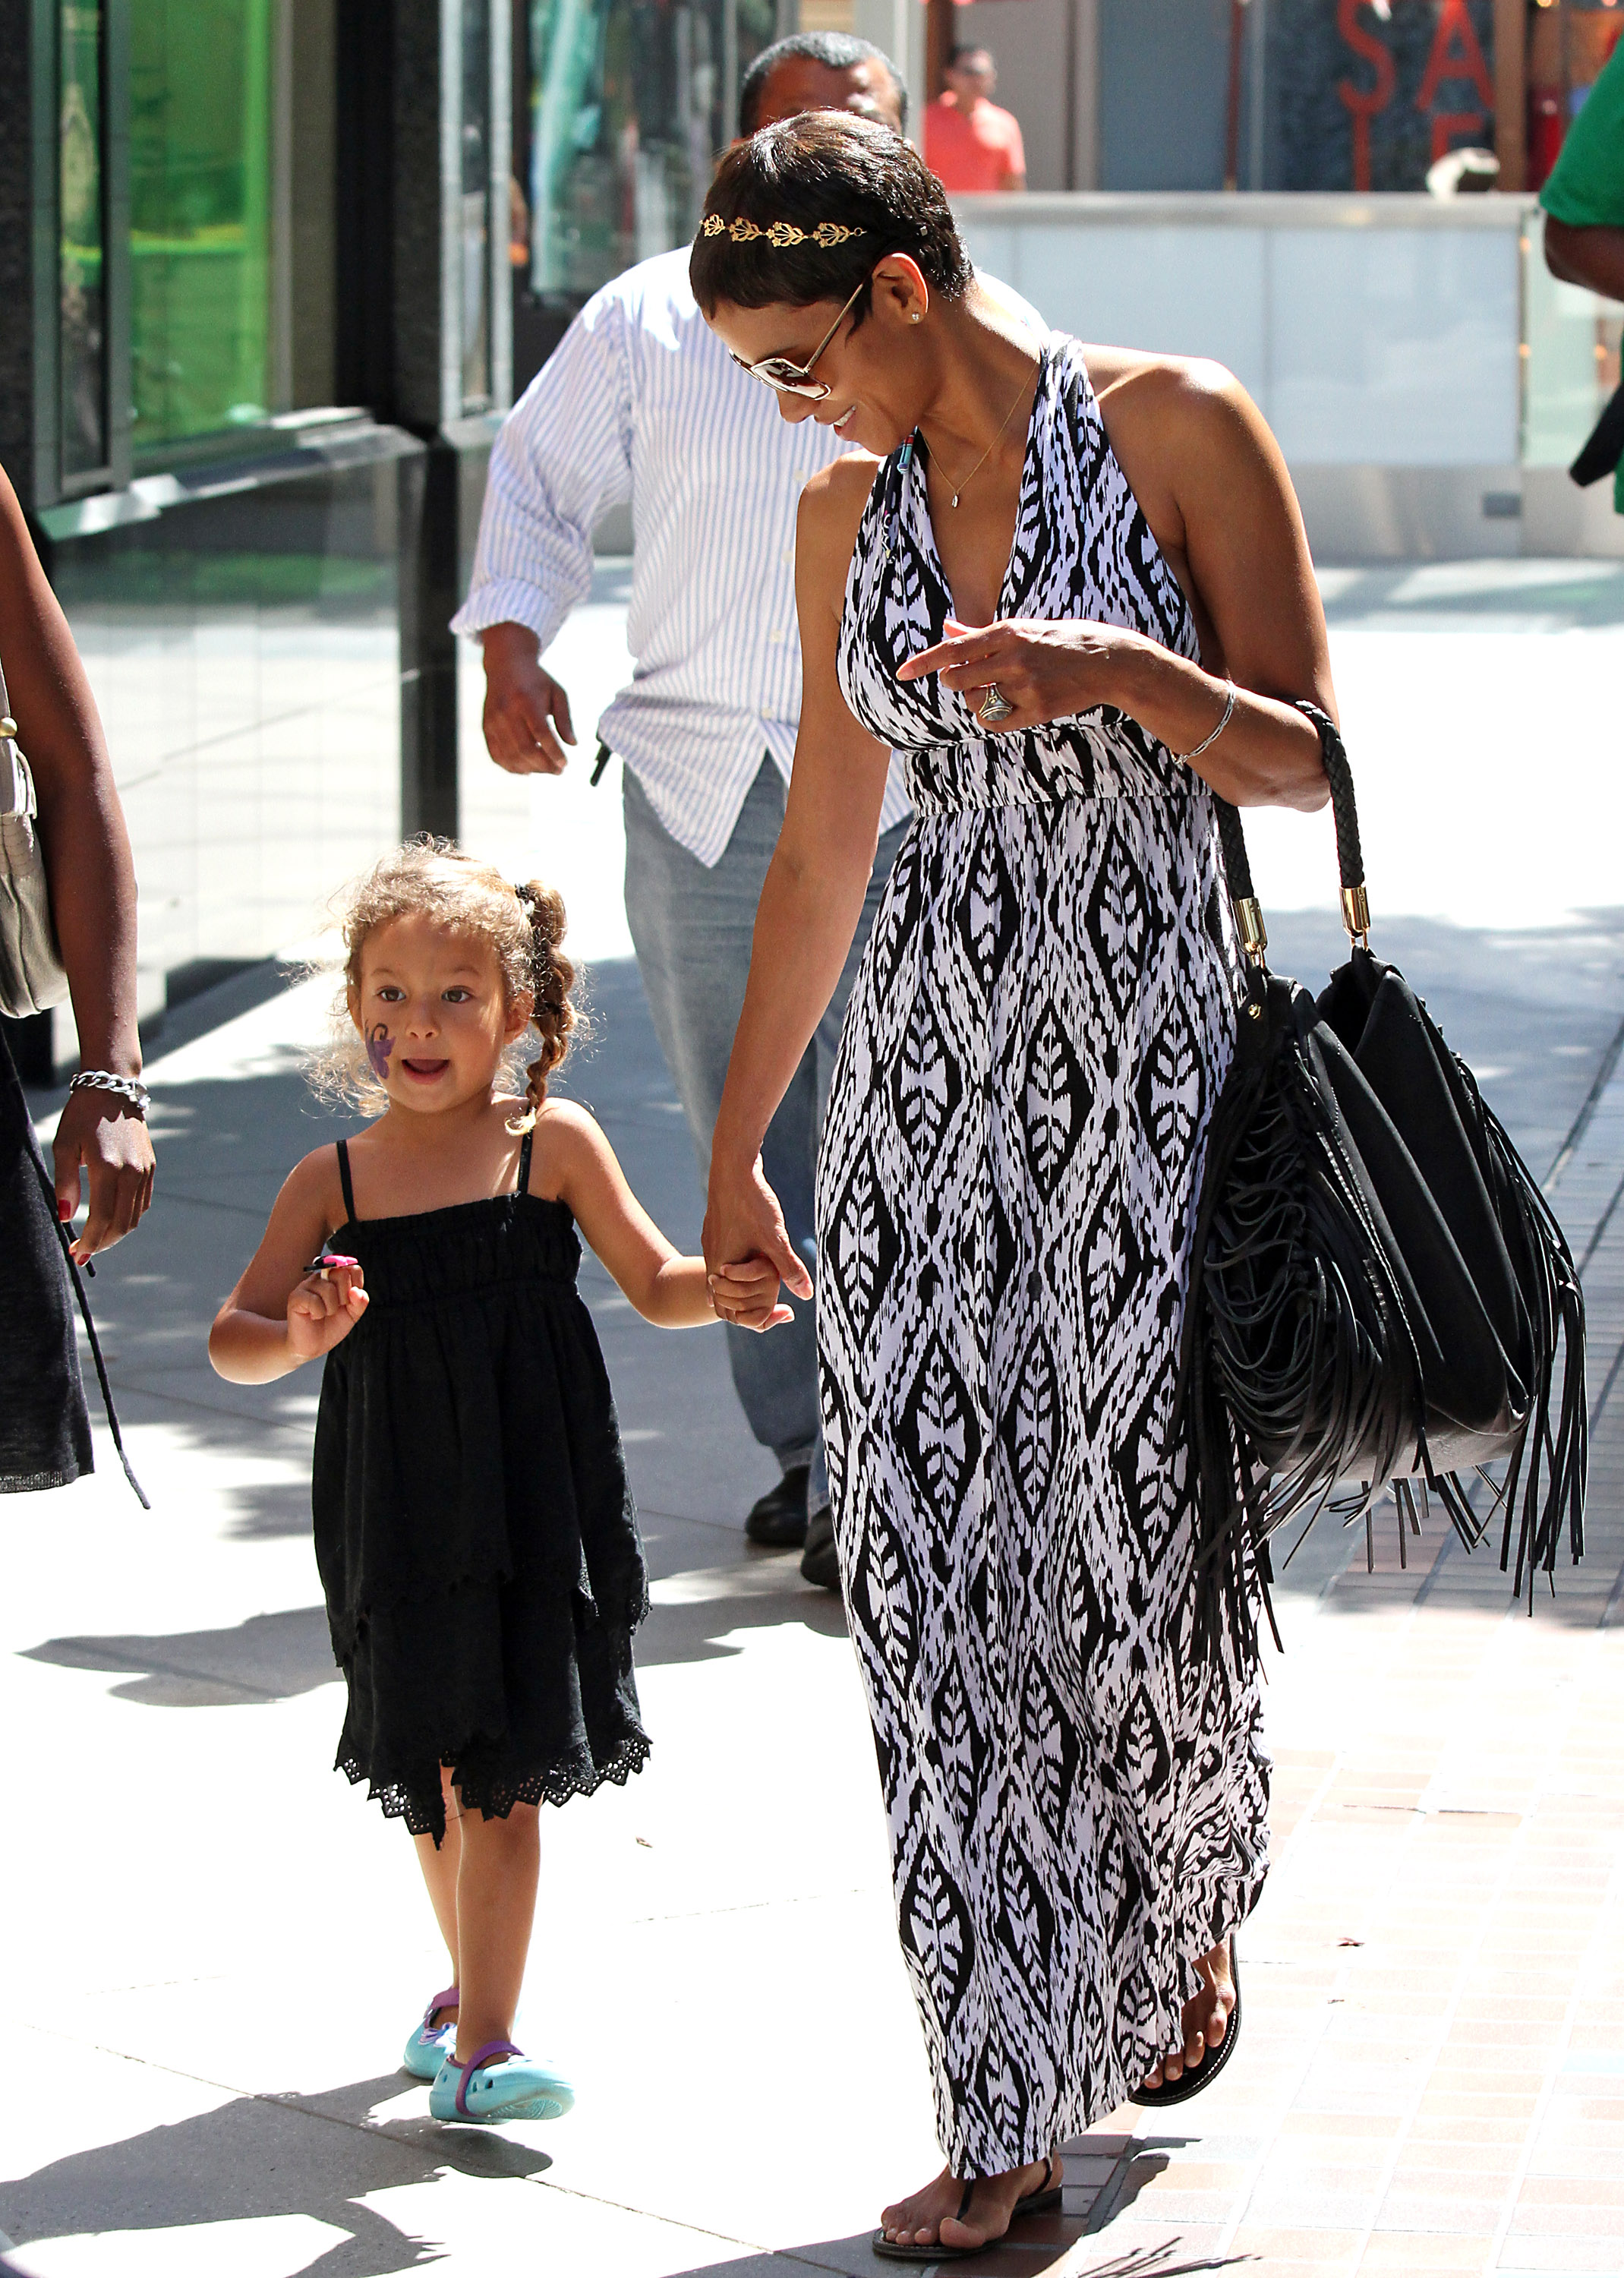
x,y
553,977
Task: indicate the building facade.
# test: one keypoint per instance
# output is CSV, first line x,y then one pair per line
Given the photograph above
x,y
256,259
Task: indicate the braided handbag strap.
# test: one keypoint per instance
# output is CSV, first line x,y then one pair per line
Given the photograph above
x,y
1344,813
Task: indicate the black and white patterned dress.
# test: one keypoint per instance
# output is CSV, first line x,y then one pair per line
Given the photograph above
x,y
1006,1194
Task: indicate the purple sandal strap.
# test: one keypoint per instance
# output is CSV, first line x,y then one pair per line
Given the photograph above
x,y
447,2000
486,2049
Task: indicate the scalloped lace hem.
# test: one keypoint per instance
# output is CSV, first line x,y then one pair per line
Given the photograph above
x,y
495,1799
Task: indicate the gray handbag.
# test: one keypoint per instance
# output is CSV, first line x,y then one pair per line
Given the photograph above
x,y
32,974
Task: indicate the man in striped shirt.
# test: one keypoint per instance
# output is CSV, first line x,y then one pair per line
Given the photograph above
x,y
641,401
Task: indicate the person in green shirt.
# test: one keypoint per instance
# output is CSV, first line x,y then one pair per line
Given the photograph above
x,y
1583,199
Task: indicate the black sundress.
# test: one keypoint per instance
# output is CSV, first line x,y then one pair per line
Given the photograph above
x,y
476,1536
44,1430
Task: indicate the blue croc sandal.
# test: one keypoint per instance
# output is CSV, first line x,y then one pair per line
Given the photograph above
x,y
483,2093
431,2045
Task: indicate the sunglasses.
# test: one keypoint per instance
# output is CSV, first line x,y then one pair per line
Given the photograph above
x,y
787,378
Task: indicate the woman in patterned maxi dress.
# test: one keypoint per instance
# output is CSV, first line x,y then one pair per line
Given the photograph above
x,y
1077,1800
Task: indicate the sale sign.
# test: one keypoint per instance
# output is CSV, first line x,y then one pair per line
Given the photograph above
x,y
1367,94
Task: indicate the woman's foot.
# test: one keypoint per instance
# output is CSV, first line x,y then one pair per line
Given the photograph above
x,y
1206,2019
931,2217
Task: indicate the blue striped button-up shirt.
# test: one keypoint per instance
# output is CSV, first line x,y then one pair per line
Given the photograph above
x,y
641,401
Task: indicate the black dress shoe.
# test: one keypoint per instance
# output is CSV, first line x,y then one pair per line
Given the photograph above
x,y
819,1563
778,1522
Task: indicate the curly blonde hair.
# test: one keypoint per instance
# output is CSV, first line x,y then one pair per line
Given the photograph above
x,y
523,925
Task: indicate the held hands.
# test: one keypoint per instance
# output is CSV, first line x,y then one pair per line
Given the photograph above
x,y
99,1131
523,703
323,1308
747,1251
1044,671
747,1294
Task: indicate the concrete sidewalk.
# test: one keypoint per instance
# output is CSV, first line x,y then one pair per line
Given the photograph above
x,y
219,1947
216,1948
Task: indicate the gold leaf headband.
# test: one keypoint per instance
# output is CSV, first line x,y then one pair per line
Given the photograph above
x,y
779,233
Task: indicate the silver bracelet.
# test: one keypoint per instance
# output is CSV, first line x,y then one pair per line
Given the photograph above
x,y
1228,706
124,1087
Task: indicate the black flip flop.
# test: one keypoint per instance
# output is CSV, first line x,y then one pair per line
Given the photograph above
x,y
1047,2199
1195,2077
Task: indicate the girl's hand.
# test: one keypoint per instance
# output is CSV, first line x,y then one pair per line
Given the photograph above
x,y
746,1294
323,1308
1046,671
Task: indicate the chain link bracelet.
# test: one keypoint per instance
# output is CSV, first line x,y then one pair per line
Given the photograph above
x,y
127,1088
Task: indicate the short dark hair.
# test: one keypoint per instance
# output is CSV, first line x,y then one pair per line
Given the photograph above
x,y
837,51
962,54
824,166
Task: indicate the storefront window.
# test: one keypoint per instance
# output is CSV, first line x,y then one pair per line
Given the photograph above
x,y
200,187
630,103
475,262
1569,44
81,259
1367,94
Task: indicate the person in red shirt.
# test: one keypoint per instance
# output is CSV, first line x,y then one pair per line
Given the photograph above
x,y
970,144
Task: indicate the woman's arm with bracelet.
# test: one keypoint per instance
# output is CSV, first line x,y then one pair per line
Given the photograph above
x,y
92,883
1211,482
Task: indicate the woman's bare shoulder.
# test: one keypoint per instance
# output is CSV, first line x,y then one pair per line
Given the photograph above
x,y
1161,384
830,515
835,497
1166,397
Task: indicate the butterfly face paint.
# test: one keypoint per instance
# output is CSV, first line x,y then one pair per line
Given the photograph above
x,y
380,1043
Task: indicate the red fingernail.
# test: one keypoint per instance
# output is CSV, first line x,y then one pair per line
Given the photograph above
x,y
64,1211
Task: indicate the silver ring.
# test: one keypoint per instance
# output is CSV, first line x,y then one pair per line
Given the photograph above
x,y
993,706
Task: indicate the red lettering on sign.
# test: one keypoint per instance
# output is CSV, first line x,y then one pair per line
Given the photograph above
x,y
1364,103
1447,61
1446,125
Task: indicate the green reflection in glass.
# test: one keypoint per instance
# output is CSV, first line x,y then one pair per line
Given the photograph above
x,y
200,168
80,272
475,208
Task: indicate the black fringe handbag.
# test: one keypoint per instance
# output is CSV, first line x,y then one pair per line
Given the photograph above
x,y
1378,1289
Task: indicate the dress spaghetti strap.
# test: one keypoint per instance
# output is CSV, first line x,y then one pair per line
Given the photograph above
x,y
523,1185
351,1215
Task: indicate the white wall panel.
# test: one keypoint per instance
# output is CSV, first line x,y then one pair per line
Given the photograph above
x,y
1393,347
1177,290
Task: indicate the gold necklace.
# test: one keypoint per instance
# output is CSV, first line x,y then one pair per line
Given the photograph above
x,y
992,447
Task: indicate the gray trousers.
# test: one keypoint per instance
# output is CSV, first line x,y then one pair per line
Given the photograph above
x,y
692,928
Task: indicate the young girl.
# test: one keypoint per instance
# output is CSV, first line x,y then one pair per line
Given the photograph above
x,y
476,1537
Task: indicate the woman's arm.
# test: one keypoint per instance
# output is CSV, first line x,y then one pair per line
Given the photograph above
x,y
813,897
278,1316
92,886
666,1288
1212,487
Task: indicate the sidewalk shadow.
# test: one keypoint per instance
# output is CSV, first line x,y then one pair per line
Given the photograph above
x,y
265,2156
1056,2256
267,1657
279,1656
